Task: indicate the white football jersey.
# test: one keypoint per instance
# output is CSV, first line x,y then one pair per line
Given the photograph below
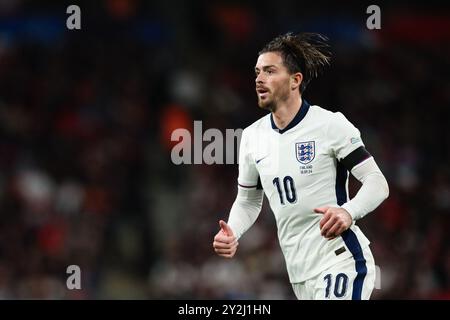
x,y
299,169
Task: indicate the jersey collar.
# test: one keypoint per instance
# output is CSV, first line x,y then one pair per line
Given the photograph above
x,y
298,117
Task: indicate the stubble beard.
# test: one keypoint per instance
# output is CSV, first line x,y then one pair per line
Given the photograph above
x,y
267,105
272,103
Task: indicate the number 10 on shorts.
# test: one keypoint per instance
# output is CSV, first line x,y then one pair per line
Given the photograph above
x,y
338,288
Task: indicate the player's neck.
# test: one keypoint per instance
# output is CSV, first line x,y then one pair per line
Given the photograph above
x,y
286,111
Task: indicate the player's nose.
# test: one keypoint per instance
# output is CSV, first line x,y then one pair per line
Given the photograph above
x,y
259,79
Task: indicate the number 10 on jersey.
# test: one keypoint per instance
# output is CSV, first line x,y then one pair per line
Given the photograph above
x,y
286,190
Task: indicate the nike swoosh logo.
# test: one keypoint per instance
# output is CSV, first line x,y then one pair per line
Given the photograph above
x,y
258,161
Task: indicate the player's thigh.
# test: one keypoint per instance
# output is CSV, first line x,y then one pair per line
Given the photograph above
x,y
298,289
370,279
304,290
351,279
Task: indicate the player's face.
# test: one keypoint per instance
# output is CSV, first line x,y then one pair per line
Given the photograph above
x,y
272,80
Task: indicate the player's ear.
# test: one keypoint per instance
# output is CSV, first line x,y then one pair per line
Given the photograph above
x,y
296,80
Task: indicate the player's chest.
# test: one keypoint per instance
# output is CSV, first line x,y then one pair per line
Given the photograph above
x,y
300,155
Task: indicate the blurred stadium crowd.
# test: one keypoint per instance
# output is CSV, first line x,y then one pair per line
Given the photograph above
x,y
85,124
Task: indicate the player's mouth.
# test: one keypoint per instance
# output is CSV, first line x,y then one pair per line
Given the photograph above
x,y
262,92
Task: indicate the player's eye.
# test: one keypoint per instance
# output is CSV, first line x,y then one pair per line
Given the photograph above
x,y
270,71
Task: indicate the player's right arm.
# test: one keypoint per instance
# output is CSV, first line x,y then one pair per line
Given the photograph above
x,y
225,243
246,207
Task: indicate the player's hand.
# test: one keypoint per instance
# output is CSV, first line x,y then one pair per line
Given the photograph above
x,y
225,243
334,221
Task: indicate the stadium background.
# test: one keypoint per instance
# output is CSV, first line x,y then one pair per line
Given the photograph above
x,y
85,124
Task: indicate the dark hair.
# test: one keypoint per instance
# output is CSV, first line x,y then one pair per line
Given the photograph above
x,y
305,52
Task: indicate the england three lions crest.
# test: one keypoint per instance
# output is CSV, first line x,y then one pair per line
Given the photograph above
x,y
305,151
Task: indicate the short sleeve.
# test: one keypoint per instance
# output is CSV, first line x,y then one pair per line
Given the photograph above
x,y
248,174
344,137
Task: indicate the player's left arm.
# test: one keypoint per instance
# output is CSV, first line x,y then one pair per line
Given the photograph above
x,y
361,164
373,192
